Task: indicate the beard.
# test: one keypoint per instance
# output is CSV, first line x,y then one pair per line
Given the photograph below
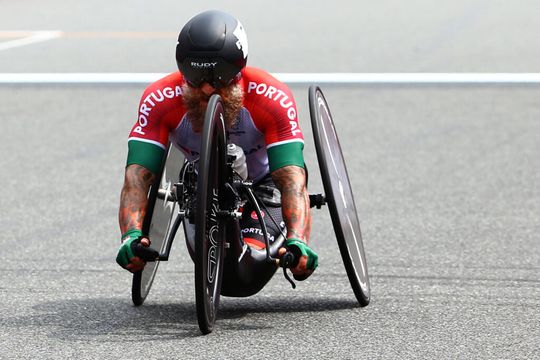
x,y
196,103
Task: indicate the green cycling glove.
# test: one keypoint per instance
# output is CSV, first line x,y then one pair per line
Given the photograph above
x,y
129,241
304,250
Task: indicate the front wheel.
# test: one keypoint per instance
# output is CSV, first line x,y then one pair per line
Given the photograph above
x,y
339,196
209,225
161,214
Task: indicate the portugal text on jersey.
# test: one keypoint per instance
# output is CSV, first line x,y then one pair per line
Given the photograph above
x,y
267,128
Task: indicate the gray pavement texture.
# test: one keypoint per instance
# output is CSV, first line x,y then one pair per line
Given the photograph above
x,y
447,197
299,36
446,181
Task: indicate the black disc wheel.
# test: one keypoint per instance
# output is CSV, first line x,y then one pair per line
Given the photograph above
x,y
161,214
339,195
209,225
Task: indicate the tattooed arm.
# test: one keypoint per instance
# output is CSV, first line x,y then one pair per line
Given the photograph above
x,y
133,202
133,199
291,181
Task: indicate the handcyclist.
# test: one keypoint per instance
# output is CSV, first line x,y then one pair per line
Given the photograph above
x,y
260,117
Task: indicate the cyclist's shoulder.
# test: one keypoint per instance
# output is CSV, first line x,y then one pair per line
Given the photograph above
x,y
160,103
169,85
263,88
254,75
161,97
270,102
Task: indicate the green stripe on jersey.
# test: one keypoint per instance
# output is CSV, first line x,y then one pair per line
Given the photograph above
x,y
286,154
145,154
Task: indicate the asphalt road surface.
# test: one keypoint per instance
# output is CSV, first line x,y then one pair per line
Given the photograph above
x,y
446,181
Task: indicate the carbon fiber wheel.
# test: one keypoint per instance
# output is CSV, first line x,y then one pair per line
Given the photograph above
x,y
209,225
158,223
338,194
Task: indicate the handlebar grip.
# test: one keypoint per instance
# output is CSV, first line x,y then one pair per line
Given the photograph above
x,y
145,253
289,260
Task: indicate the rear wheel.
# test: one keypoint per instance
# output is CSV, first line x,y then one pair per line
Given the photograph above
x,y
209,225
339,195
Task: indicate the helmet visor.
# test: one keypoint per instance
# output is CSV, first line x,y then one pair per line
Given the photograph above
x,y
215,72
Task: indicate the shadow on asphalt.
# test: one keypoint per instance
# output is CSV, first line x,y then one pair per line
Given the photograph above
x,y
231,308
112,320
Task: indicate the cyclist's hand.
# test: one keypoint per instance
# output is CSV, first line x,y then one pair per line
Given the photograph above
x,y
308,262
131,254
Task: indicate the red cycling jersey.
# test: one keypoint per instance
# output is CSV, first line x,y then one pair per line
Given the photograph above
x,y
267,128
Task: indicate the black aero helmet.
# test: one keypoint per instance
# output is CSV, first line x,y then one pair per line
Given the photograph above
x,y
212,47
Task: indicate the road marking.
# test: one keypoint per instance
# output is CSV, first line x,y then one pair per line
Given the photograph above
x,y
122,34
16,34
289,78
412,78
29,37
94,34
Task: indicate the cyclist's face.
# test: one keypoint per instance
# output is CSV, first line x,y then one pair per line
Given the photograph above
x,y
207,89
196,100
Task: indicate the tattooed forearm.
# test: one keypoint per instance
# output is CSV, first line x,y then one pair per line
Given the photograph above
x,y
291,181
133,198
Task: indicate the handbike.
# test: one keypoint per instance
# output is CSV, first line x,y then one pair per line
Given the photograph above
x,y
209,194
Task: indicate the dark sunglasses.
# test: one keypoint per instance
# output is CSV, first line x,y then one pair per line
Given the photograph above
x,y
217,73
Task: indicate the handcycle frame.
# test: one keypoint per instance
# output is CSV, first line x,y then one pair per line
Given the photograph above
x,y
227,191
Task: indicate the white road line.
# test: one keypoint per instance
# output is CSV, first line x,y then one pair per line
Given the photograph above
x,y
37,36
79,78
411,78
290,78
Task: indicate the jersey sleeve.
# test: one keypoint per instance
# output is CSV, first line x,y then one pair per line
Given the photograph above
x,y
274,112
160,110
